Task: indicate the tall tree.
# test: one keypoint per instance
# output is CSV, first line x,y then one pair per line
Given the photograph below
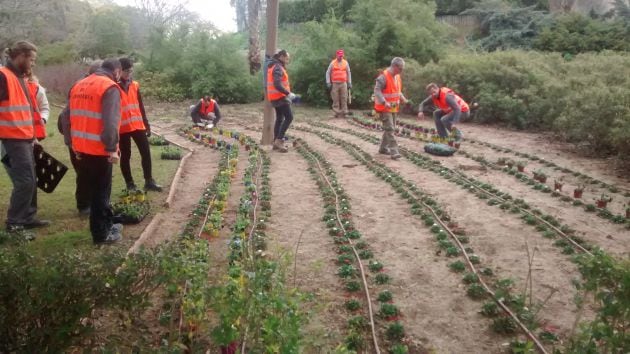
x,y
253,11
241,14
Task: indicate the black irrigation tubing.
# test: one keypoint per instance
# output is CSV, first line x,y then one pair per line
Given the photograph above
x,y
406,153
523,178
611,188
354,250
357,154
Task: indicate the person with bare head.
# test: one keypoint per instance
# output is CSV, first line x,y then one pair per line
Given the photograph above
x,y
387,98
206,113
279,94
450,110
134,125
17,135
95,109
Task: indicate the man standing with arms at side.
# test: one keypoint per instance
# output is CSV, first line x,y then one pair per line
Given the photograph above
x,y
134,125
387,98
95,110
17,135
339,81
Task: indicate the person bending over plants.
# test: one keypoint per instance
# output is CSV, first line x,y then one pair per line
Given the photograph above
x,y
450,110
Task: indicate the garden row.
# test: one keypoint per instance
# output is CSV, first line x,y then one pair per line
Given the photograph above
x,y
594,265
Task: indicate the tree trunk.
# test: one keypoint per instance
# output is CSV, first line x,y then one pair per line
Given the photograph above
x,y
272,39
253,9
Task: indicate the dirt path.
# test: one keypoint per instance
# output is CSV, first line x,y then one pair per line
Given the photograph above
x,y
499,239
196,174
407,250
542,145
594,229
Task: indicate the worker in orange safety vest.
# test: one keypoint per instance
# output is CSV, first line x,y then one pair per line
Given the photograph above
x,y
451,109
339,81
387,99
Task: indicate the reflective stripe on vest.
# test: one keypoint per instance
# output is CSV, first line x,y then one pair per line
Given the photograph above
x,y
391,93
131,119
16,119
441,103
339,72
86,120
207,108
272,93
38,123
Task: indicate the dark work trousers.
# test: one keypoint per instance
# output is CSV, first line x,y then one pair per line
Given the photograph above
x,y
98,170
140,138
82,191
198,118
19,162
284,117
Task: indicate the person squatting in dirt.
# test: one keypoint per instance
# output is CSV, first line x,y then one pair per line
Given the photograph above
x,y
206,113
451,109
279,94
387,98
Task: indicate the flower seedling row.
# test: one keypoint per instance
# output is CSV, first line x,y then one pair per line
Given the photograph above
x,y
351,249
587,179
506,166
435,218
546,224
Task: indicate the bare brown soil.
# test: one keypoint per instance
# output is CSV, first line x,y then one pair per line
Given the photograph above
x,y
437,314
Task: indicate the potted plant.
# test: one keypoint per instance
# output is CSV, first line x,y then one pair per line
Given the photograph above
x,y
502,161
627,211
603,200
540,176
457,144
520,165
577,192
557,184
510,163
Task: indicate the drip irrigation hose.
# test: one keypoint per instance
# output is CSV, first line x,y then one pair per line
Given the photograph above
x,y
354,250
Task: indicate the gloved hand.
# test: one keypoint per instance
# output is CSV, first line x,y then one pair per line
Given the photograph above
x,y
291,96
148,132
329,86
349,86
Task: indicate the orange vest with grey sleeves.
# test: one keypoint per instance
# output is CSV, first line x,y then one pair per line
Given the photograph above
x,y
38,123
339,72
272,93
16,119
131,118
205,109
391,92
86,119
441,103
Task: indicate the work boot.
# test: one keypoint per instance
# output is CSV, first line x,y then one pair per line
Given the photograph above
x,y
150,185
131,186
36,223
114,235
384,151
278,145
395,155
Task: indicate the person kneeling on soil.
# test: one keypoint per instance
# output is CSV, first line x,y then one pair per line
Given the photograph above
x,y
450,109
205,113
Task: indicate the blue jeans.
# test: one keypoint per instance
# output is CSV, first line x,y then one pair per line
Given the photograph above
x,y
444,122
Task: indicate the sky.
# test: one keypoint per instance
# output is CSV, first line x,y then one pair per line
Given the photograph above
x,y
219,12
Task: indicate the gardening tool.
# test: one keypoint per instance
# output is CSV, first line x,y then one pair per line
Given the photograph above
x,y
349,96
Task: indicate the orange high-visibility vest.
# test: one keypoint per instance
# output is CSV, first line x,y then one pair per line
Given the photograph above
x,y
272,93
440,101
392,91
207,108
339,72
86,120
16,119
38,122
131,119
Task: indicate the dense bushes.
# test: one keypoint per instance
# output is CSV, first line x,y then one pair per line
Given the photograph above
x,y
299,11
191,63
586,100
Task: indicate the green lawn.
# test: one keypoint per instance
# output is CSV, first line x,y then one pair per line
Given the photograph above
x,y
68,231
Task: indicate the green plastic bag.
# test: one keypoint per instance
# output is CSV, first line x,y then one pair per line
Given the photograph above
x,y
439,149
